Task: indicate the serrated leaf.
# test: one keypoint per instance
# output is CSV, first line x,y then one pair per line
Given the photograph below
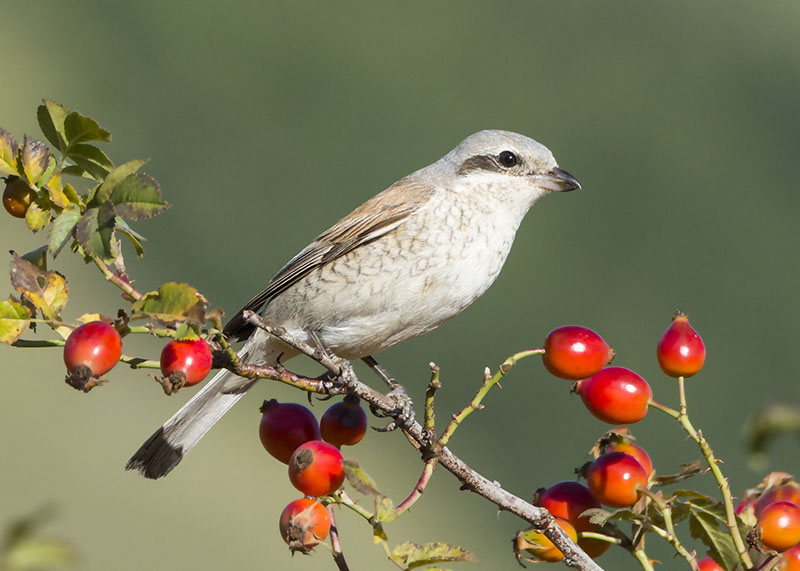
x,y
39,553
35,158
413,555
55,191
706,528
37,217
600,516
62,230
138,197
135,238
46,291
173,303
51,118
359,479
90,153
81,129
75,170
92,169
14,320
115,176
385,510
95,230
8,153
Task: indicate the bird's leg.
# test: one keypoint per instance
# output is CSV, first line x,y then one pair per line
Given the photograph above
x,y
404,409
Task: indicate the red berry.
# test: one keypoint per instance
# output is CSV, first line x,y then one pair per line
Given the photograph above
x,y
782,493
96,345
779,523
569,500
628,447
344,423
573,352
316,468
538,545
284,427
681,351
192,357
614,479
304,523
17,197
708,564
790,560
616,395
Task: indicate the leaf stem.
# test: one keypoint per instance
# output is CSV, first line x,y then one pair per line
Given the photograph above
x,y
130,291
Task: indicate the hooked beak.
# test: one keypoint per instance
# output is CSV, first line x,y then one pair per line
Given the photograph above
x,y
557,180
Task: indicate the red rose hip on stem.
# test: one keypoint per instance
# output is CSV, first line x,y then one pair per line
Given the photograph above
x,y
680,352
616,395
17,197
708,564
96,345
569,500
192,357
779,523
614,479
344,423
284,427
539,546
573,352
304,523
316,469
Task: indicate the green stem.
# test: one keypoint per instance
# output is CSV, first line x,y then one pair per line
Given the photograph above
x,y
722,481
644,561
39,343
110,276
489,381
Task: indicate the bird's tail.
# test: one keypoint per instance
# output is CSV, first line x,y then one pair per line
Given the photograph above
x,y
170,443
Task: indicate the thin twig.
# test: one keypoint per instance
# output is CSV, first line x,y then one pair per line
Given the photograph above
x,y
122,284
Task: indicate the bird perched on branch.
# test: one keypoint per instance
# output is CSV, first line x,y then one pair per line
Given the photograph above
x,y
395,268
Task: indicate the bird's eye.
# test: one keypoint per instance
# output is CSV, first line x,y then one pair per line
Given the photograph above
x,y
508,159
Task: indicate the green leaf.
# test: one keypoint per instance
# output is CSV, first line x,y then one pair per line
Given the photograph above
x,y
359,479
174,302
51,117
103,192
14,320
37,257
90,153
95,229
135,238
90,169
8,153
707,529
138,197
385,511
35,158
413,555
81,129
62,230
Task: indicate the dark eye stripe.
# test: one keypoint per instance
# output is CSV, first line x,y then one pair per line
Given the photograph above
x,y
492,163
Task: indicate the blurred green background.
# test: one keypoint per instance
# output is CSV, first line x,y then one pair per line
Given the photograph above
x,y
265,122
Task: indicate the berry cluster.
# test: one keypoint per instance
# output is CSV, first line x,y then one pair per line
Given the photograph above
x,y
94,348
291,434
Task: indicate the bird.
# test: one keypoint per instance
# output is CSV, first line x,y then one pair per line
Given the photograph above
x,y
395,268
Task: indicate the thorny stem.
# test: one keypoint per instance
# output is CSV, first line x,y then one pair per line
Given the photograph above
x,y
122,284
419,488
420,438
669,533
682,417
489,381
644,561
430,393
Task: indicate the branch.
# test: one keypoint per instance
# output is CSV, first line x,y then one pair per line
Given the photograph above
x,y
397,408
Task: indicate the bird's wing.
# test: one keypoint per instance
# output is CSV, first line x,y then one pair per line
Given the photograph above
x,y
378,216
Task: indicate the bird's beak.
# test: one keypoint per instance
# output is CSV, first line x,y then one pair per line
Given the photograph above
x,y
557,180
